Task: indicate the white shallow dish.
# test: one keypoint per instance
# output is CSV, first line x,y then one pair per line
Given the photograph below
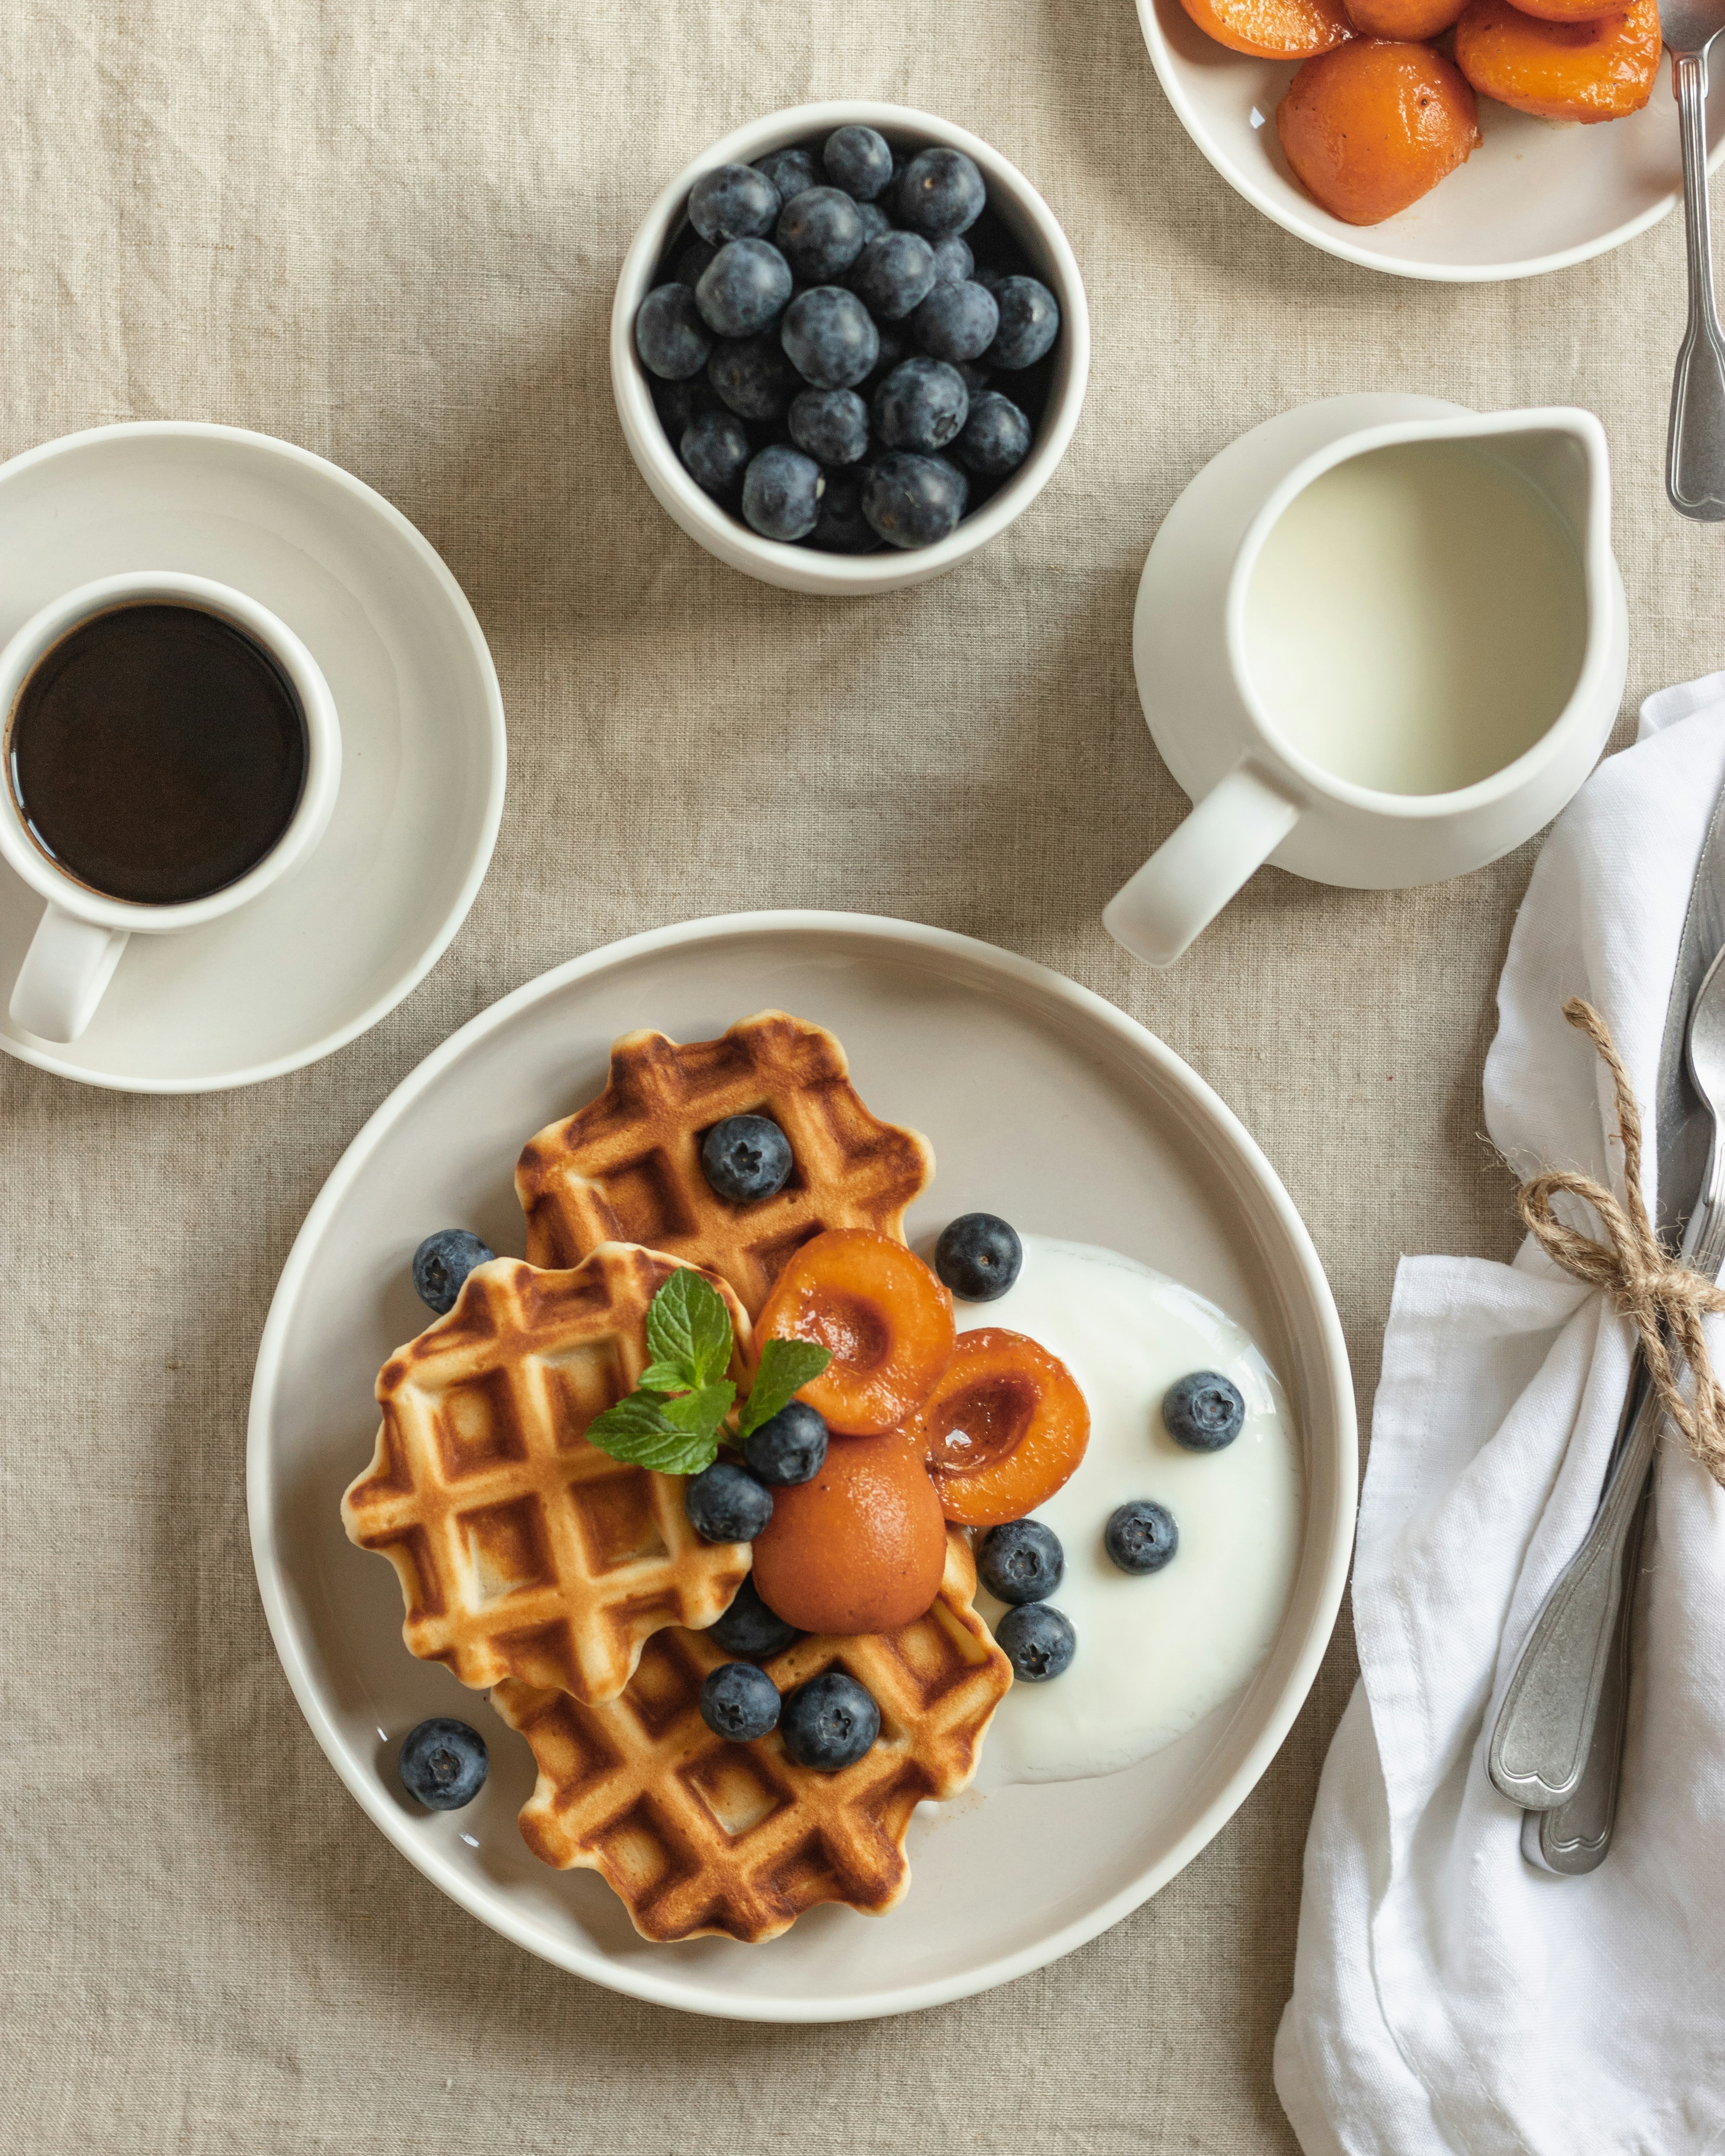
x,y
1044,1103
1534,197
330,950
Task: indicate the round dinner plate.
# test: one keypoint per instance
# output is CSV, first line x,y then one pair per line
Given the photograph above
x,y
326,953
1044,1103
1534,197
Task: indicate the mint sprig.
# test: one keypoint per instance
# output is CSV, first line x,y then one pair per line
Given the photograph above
x,y
674,1419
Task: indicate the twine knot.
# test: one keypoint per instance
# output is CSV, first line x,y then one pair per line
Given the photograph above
x,y
1665,1300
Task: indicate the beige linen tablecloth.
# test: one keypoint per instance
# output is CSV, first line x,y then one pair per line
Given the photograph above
x,y
387,229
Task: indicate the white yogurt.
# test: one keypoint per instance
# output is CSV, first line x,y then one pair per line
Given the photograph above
x,y
1156,1651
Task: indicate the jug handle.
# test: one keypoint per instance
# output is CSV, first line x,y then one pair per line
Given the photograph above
x,y
1192,875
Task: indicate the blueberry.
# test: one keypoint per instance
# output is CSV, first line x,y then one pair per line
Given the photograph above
x,y
875,223
1022,1561
753,375
841,528
820,234
894,350
1141,1536
996,437
747,1157
913,501
953,261
1203,1412
715,450
788,1448
725,1504
743,288
669,334
978,1256
1037,1640
692,261
859,160
941,192
894,275
781,494
828,1723
733,201
1029,322
748,1627
790,170
832,424
443,1764
682,403
990,278
441,1264
828,338
739,1700
920,405
975,379
957,322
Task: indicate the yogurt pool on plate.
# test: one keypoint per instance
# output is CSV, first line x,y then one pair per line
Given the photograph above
x,y
1156,1651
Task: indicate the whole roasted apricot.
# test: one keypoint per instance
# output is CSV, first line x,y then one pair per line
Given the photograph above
x,y
880,1313
1567,71
1002,1430
859,1549
1272,30
1403,18
1371,127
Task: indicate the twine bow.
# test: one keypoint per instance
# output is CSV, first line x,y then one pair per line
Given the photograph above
x,y
1665,1299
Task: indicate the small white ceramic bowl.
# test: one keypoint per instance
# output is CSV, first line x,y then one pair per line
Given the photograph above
x,y
1031,222
1533,197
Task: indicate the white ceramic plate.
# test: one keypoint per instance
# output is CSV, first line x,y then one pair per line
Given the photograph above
x,y
1534,197
322,957
1044,1104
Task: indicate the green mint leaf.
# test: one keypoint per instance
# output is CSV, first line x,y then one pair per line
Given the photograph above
x,y
672,1437
689,1327
701,1413
663,1378
786,1367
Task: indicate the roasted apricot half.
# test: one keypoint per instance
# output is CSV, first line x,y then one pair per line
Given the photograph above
x,y
1585,71
1403,18
1272,30
1569,11
859,1548
878,1311
1372,127
1002,1430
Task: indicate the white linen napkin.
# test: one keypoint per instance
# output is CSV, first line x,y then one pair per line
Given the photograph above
x,y
1447,1996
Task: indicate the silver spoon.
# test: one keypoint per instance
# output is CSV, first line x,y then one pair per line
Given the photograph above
x,y
1695,446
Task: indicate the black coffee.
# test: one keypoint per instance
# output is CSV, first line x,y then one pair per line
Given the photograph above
x,y
157,754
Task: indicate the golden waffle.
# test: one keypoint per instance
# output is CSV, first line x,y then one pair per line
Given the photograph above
x,y
522,1550
628,1166
699,1834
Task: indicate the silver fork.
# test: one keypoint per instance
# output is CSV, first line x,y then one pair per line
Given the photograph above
x,y
1695,445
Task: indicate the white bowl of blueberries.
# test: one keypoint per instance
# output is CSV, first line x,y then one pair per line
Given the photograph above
x,y
849,345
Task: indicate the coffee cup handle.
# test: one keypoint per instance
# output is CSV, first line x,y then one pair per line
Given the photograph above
x,y
1192,875
66,973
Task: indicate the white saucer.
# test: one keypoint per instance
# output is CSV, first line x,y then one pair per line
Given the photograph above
x,y
1044,1104
320,958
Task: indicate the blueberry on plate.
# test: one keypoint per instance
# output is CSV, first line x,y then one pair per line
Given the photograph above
x,y
739,1700
996,437
841,528
733,201
940,192
820,234
443,1262
912,500
753,375
1037,1640
692,261
830,338
1203,1412
671,336
743,289
954,260
790,170
747,1626
725,1504
956,322
443,1764
1141,1536
831,424
978,1256
894,275
1030,323
829,1723
747,1157
715,450
859,160
788,1448
920,405
1022,1561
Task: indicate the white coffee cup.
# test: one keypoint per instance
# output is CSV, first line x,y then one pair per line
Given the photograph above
x,y
82,933
1257,796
